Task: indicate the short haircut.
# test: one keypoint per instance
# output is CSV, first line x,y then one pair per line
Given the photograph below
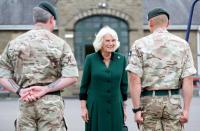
x,y
160,20
99,38
40,15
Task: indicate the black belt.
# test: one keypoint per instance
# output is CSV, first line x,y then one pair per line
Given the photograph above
x,y
160,92
45,84
54,93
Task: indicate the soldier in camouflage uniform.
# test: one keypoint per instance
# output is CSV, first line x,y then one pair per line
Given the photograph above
x,y
157,62
37,65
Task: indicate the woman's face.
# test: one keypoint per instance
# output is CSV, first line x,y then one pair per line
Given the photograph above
x,y
108,43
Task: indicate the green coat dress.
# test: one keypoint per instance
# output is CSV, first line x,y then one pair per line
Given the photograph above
x,y
104,88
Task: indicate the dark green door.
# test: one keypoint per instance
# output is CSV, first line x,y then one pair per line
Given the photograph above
x,y
85,30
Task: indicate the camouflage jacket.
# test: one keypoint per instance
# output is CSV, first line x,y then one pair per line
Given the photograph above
x,y
161,59
37,56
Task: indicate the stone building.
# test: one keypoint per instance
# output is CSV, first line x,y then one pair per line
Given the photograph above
x,y
80,20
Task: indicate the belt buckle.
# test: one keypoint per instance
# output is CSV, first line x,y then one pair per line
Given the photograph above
x,y
169,93
153,93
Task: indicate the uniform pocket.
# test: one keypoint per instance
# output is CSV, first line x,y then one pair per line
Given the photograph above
x,y
173,109
175,100
145,100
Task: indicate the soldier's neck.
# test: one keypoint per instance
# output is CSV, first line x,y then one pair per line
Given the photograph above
x,y
39,26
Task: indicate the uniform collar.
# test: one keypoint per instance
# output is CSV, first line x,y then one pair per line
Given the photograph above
x,y
160,30
39,26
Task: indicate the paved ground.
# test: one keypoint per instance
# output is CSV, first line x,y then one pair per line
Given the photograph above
x,y
8,113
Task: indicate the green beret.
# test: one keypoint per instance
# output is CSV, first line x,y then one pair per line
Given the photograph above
x,y
48,7
157,11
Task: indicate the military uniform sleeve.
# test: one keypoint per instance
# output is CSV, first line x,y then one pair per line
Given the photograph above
x,y
124,82
68,63
135,61
188,66
6,68
85,79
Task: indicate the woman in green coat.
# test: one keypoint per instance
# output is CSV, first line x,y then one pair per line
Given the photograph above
x,y
103,90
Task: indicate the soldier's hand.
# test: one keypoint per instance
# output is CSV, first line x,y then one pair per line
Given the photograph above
x,y
138,117
24,92
26,95
38,91
84,114
184,117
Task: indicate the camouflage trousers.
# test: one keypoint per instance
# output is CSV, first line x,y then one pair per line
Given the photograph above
x,y
45,114
161,113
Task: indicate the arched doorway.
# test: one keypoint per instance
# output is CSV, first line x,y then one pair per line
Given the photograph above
x,y
85,30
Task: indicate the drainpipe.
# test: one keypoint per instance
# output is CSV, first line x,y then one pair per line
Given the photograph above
x,y
198,51
190,21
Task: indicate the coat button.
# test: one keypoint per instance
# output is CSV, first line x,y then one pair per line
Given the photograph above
x,y
108,91
108,111
107,71
108,101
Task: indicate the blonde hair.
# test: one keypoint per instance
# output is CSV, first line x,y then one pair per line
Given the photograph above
x,y
99,38
160,20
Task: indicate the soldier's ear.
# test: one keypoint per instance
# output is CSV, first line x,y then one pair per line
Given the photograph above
x,y
168,23
151,23
52,20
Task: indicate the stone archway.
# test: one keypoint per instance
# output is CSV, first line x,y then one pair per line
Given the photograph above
x,y
98,11
86,28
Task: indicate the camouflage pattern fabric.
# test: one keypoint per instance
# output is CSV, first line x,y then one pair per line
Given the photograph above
x,y
161,59
161,113
38,56
45,114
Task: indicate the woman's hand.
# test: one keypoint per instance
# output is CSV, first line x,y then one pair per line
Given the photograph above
x,y
84,114
125,113
84,111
